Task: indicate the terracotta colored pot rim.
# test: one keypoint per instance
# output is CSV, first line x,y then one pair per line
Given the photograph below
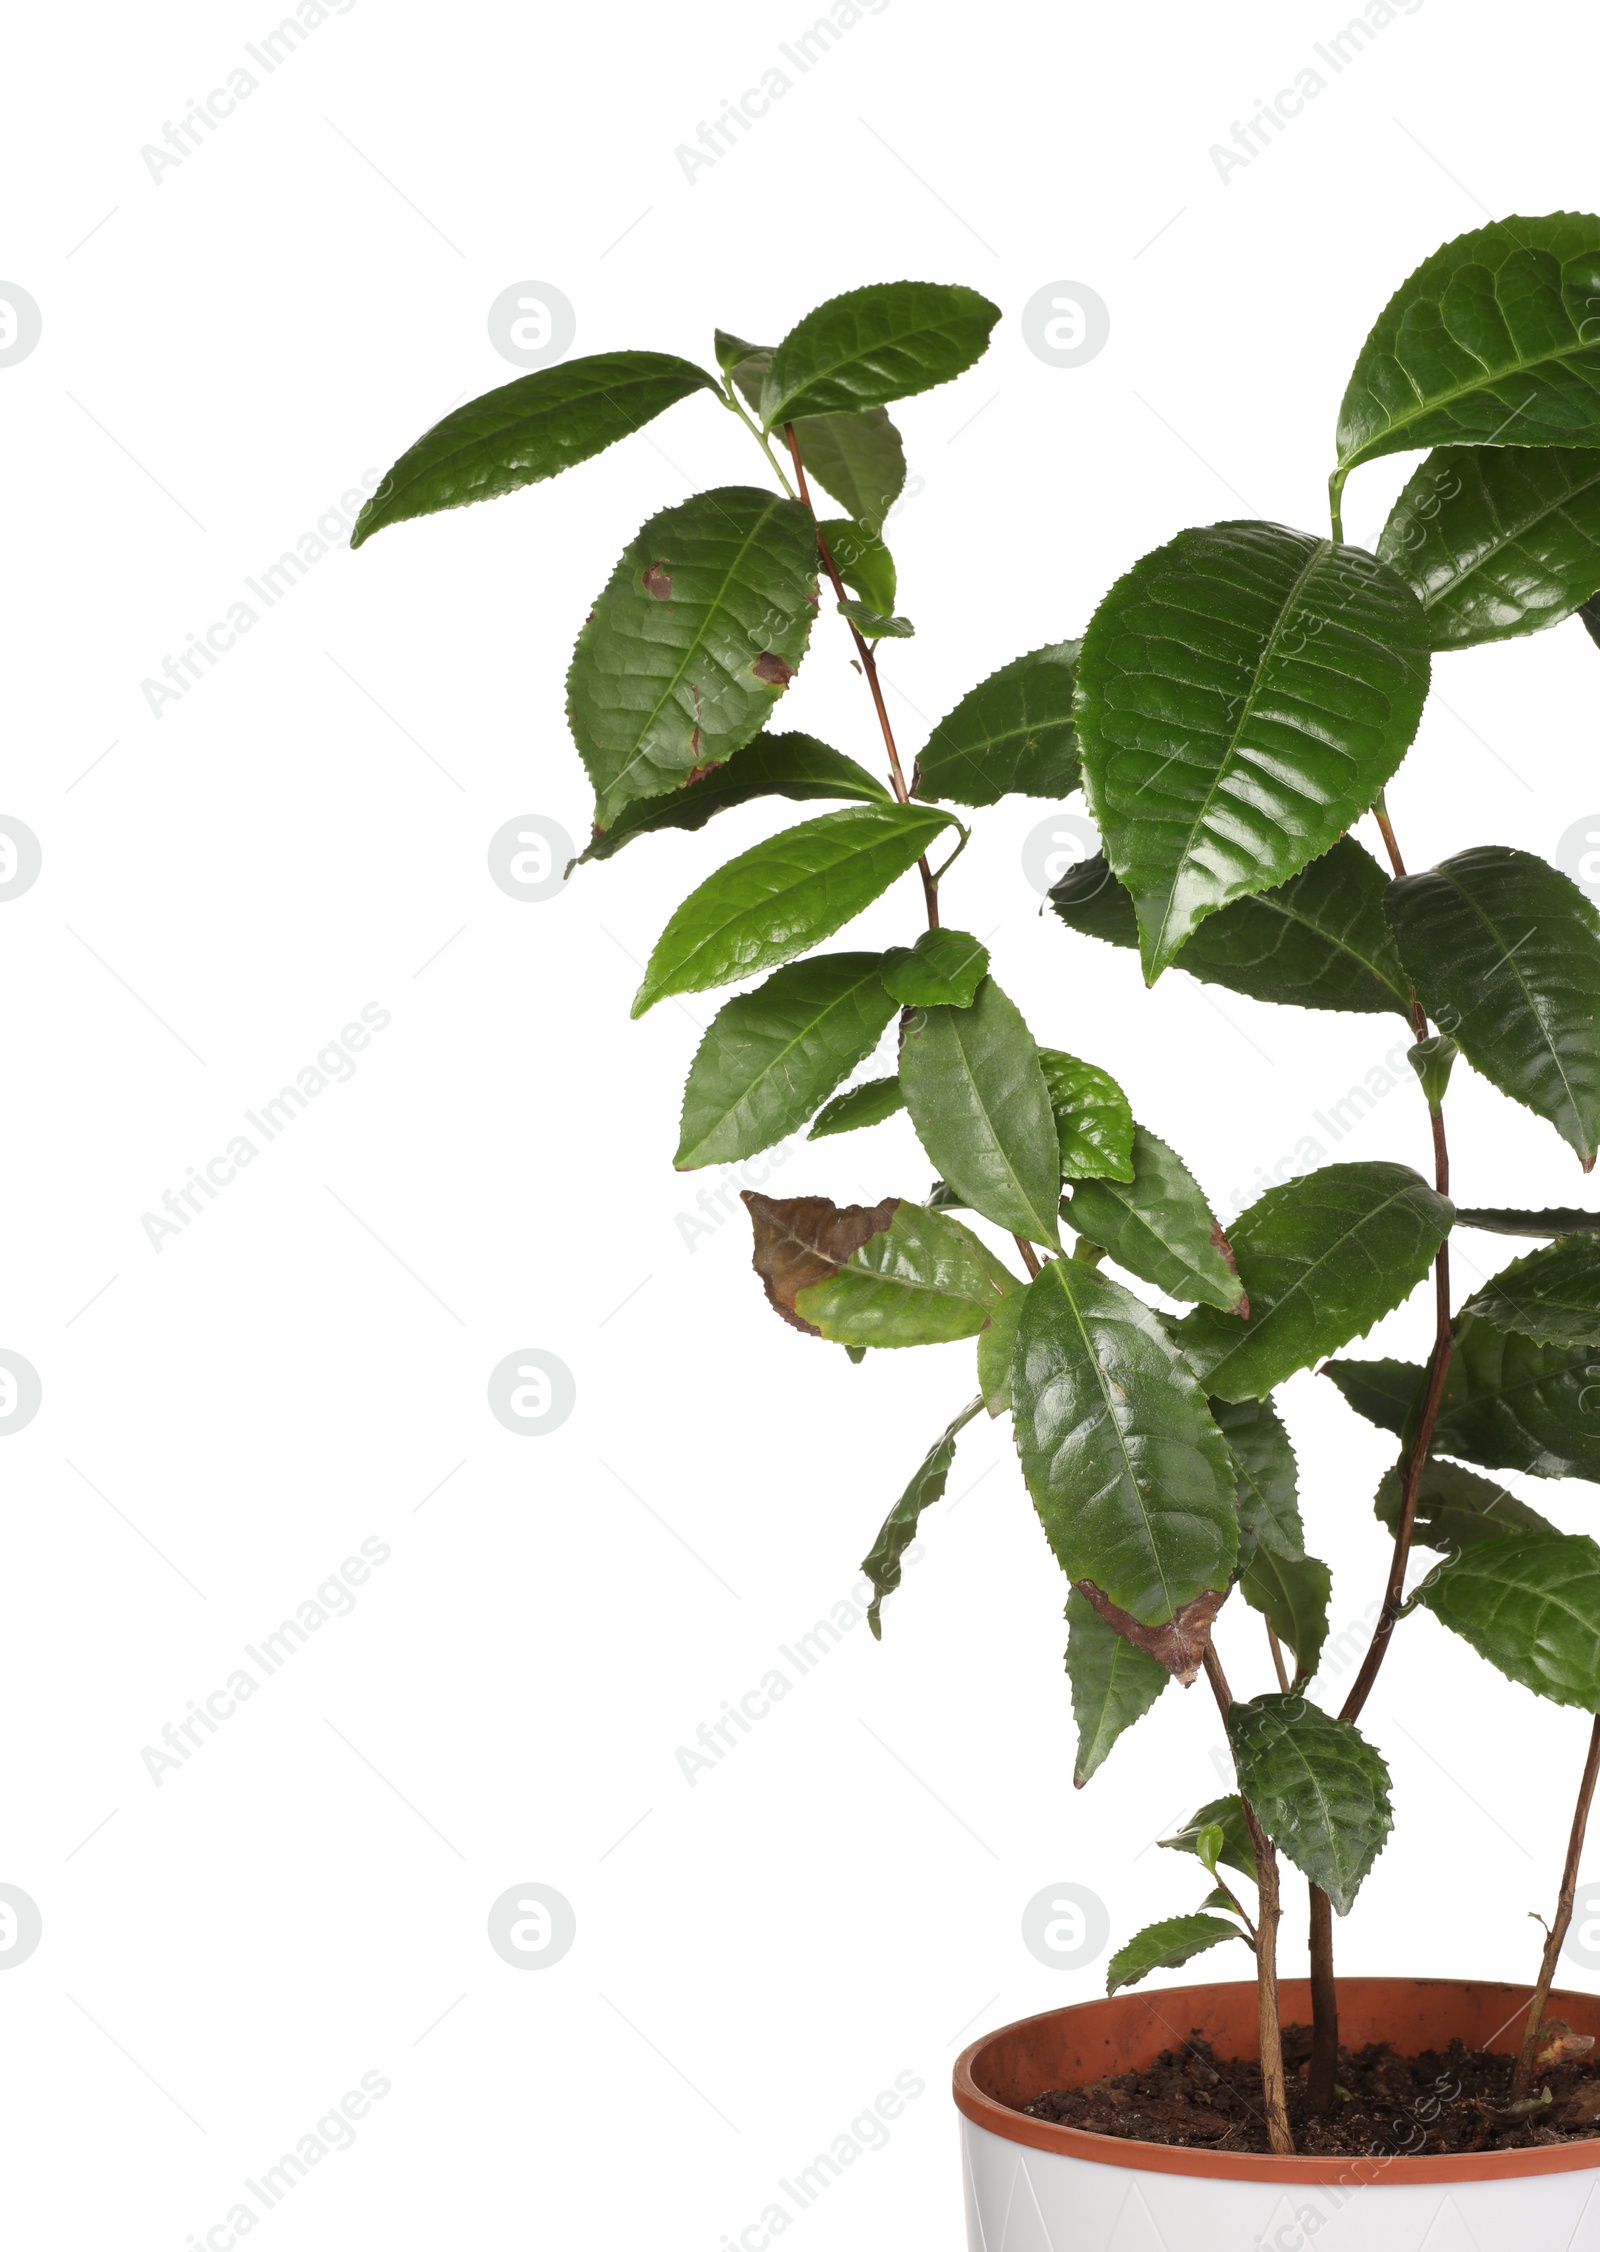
x,y
1066,2048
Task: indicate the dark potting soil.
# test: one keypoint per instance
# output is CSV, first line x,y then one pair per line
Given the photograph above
x,y
1390,2106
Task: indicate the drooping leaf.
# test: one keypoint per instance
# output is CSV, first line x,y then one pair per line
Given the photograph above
x,y
1243,694
698,631
1455,1508
529,430
784,895
1267,1480
1160,1227
1013,732
886,1274
1318,1789
1552,1295
1094,1121
1529,1602
1512,1404
1554,1221
873,626
1322,1258
1383,1391
1491,342
867,1105
1504,952
871,345
899,1529
1113,1684
1166,1946
997,1352
862,560
1320,941
770,1057
1293,1599
1130,1476
778,766
943,970
1226,1814
978,1101
858,458
1498,540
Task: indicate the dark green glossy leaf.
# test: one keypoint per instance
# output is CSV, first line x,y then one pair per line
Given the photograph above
x,y
997,1351
1511,1404
773,766
871,345
1320,941
1554,1221
1094,1123
1383,1391
529,430
1455,1508
1491,341
1113,1684
1504,952
784,895
943,970
1267,1480
698,631
1322,1258
1498,540
858,458
1552,1295
888,1274
978,1101
1131,1478
1293,1599
1317,1787
1227,1815
867,1105
1530,1604
770,1057
862,560
1013,732
1160,1227
873,626
1166,1946
899,1529
1243,694
730,350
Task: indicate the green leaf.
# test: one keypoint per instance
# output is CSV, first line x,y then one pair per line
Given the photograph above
x,y
858,458
1383,1391
1226,1814
1530,1604
1455,1509
1320,941
1323,1258
1552,1295
1293,1599
1504,952
731,350
1208,1844
529,430
1490,342
1554,1221
943,970
997,1350
1512,1404
863,562
1243,694
1130,1476
867,1105
1266,1476
1497,540
697,633
1317,1787
773,766
1160,1227
784,895
770,1057
873,627
873,345
898,1530
887,1274
1094,1123
978,1101
1013,732
1113,1684
1166,1946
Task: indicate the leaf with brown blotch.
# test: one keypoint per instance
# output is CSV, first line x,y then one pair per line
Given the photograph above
x,y
886,1275
806,1239
1180,1644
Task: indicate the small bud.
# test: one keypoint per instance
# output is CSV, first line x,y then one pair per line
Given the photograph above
x,y
1431,1061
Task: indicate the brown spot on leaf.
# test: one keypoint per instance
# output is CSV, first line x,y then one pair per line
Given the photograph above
x,y
1180,1645
805,1239
657,583
699,773
770,667
1219,1242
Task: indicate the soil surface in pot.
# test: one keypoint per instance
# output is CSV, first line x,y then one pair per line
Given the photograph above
x,y
1441,2101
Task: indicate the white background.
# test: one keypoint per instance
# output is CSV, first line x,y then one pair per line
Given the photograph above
x,y
225,351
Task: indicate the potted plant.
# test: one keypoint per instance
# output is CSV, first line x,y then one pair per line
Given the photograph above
x,y
1236,706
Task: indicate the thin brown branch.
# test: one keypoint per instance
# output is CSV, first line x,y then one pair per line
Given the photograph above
x,y
1030,1257
1558,1930
1324,2005
1278,1666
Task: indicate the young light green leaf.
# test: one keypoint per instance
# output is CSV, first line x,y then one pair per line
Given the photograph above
x,y
1130,1476
872,626
1552,1295
1456,1509
872,345
862,561
697,633
784,895
1166,1946
1160,1227
770,1057
1504,952
1267,1477
978,1101
773,766
1243,694
1094,1123
1208,1844
1497,540
1013,732
1227,1815
1529,1603
1293,1599
887,1274
899,1529
1113,1684
1317,1787
943,970
867,1105
1323,1258
527,431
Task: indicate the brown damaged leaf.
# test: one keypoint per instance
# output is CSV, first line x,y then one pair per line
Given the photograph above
x,y
805,1239
1180,1644
1219,1242
770,667
657,583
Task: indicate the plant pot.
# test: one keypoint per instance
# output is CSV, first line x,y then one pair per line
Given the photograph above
x,y
1033,2187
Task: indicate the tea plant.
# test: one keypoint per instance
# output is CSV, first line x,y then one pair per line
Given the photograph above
x,y
1238,702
